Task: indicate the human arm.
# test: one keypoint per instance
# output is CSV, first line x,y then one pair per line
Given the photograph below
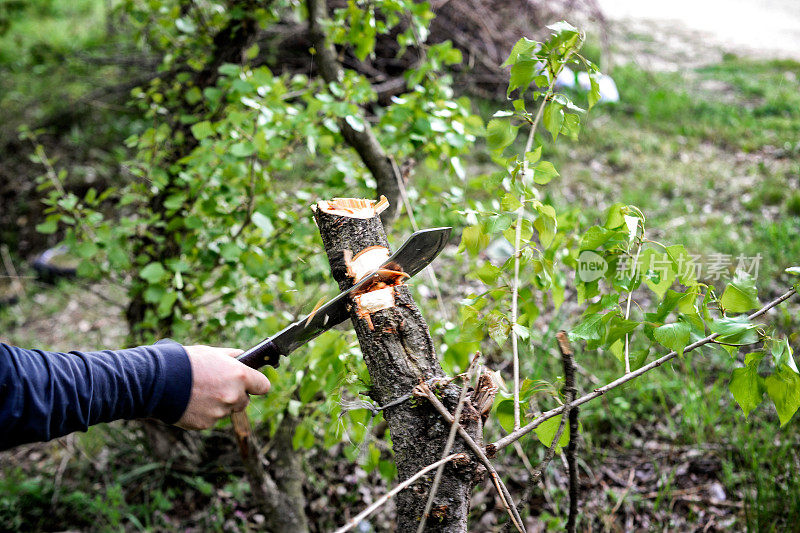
x,y
44,395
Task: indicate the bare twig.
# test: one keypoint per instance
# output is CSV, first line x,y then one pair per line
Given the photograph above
x,y
428,269
8,264
505,497
451,438
568,360
251,201
353,522
628,487
363,141
570,392
517,434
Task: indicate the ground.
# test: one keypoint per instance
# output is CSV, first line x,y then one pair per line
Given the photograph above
x,y
706,142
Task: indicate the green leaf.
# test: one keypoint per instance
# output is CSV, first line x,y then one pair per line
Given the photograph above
x,y
659,271
166,303
546,225
735,330
783,388
544,172
673,336
741,294
562,26
498,328
684,264
505,415
488,273
794,270
230,251
185,25
355,122
242,149
553,118
546,431
522,74
49,226
263,223
747,387
523,47
499,134
594,91
201,130
473,240
510,202
590,328
86,249
175,201
594,237
618,327
153,273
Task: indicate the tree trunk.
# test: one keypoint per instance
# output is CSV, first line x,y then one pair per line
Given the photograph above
x,y
278,493
399,354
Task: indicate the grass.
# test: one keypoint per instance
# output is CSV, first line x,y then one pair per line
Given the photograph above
x,y
711,156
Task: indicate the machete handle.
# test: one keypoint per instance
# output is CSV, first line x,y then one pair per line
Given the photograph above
x,y
262,354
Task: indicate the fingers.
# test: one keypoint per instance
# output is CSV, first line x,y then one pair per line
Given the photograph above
x,y
233,352
255,382
220,385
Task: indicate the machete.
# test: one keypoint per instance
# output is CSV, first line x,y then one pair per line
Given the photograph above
x,y
414,255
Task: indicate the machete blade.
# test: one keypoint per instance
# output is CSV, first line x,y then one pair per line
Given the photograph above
x,y
413,256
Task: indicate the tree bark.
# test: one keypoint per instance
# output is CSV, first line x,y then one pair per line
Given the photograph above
x,y
399,354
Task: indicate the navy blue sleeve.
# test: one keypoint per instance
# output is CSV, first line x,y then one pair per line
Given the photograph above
x,y
44,395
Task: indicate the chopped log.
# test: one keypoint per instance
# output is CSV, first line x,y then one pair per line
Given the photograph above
x,y
400,354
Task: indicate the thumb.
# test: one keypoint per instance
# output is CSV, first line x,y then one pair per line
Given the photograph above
x,y
255,382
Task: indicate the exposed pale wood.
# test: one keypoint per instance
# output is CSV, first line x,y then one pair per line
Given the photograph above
x,y
400,354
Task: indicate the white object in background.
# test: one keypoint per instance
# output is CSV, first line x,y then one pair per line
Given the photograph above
x,y
608,89
566,78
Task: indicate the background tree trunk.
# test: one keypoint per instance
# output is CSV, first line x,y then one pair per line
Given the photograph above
x,y
399,354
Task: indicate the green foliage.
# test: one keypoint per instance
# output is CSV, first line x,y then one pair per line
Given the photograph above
x,y
212,237
612,262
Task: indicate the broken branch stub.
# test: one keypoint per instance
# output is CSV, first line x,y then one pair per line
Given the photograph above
x,y
399,354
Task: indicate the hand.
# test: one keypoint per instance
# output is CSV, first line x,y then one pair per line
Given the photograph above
x,y
220,386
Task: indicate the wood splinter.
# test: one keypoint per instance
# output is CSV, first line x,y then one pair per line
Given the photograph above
x,y
378,294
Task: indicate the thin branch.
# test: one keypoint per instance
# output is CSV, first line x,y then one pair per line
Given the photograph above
x,y
16,284
505,497
570,367
428,269
517,251
628,307
251,203
569,389
353,522
363,141
451,438
517,434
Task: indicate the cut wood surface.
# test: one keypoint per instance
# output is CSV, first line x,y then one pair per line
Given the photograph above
x,y
400,354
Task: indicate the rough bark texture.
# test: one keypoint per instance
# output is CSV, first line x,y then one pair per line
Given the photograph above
x,y
399,353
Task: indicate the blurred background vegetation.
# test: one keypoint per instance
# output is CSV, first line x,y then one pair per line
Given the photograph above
x,y
709,153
